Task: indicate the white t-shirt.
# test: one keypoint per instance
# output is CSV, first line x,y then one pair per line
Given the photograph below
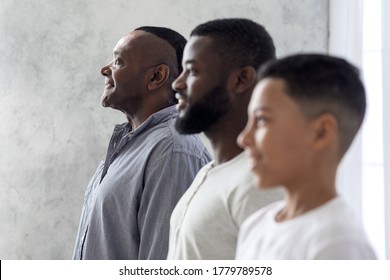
x,y
328,232
206,220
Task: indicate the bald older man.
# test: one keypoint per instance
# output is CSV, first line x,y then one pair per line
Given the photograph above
x,y
129,200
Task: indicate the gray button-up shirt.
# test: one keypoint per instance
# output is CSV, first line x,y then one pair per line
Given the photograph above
x,y
129,200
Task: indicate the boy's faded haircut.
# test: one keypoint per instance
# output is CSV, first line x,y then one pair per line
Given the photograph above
x,y
323,84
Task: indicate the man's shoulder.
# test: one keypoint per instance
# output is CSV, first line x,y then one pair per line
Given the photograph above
x,y
188,143
164,139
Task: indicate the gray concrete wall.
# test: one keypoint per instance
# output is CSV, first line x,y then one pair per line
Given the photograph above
x,y
53,130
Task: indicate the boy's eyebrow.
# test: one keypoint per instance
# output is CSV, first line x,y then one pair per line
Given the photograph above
x,y
262,108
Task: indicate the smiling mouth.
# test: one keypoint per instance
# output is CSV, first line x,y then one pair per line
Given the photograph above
x,y
181,103
109,86
255,161
178,96
109,83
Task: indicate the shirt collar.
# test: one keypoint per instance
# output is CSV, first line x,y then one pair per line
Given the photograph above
x,y
152,121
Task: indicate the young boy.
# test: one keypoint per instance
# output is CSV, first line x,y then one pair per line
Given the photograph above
x,y
303,116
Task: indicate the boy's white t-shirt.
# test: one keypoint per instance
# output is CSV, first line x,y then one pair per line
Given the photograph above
x,y
328,232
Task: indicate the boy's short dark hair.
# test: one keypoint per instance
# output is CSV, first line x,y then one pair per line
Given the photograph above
x,y
323,84
238,41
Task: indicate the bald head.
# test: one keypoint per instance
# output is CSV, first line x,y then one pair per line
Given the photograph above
x,y
159,45
149,49
176,40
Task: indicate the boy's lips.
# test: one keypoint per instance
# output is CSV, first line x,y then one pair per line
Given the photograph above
x,y
255,161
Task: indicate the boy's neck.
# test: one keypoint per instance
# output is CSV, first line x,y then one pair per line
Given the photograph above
x,y
315,187
303,199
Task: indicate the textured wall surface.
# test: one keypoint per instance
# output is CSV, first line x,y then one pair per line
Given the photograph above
x,y
53,130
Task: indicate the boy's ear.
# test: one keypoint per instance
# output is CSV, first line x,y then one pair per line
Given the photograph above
x,y
157,76
245,78
325,131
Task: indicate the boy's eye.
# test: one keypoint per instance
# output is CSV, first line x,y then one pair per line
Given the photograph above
x,y
260,121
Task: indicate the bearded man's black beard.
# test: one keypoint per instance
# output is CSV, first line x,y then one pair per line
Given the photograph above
x,y
204,114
